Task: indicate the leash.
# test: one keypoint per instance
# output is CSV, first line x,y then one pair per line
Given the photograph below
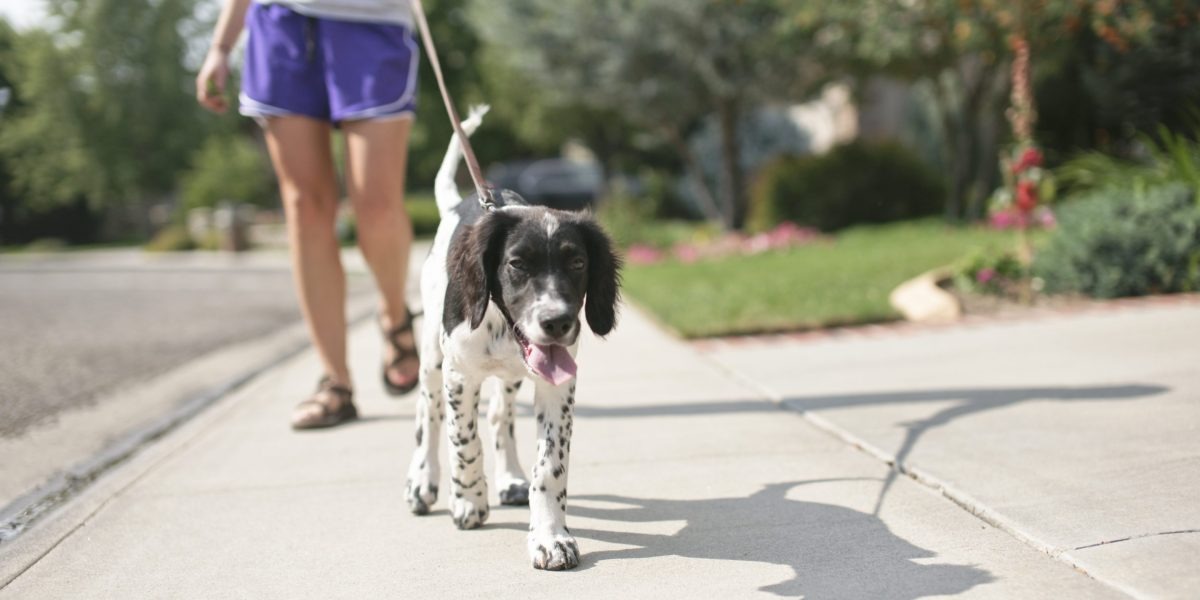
x,y
481,186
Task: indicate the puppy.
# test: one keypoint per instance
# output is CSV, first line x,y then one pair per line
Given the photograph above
x,y
503,291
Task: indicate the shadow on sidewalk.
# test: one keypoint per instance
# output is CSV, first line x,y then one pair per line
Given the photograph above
x,y
968,401
833,551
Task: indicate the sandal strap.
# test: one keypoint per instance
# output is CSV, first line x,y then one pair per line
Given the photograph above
x,y
344,394
390,336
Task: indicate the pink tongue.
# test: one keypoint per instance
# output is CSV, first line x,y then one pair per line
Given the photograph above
x,y
552,362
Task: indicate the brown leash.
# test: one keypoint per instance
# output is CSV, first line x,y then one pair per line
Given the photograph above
x,y
481,187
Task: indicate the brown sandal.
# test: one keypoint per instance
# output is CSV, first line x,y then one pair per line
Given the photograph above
x,y
326,415
401,354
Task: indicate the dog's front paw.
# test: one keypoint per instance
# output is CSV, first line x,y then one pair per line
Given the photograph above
x,y
468,514
516,493
420,495
553,551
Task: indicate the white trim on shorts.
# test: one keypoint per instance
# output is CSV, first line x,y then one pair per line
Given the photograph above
x,y
388,110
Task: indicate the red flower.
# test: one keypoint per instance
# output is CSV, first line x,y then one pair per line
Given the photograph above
x,y
1031,157
1026,196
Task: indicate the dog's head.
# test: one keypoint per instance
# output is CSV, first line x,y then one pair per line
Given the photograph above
x,y
541,267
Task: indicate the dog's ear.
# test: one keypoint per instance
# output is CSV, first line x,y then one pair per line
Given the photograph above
x,y
471,269
603,279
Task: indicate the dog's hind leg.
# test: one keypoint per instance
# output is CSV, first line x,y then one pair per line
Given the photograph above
x,y
510,478
422,487
469,506
551,545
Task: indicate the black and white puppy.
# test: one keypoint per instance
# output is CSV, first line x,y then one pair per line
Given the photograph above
x,y
503,291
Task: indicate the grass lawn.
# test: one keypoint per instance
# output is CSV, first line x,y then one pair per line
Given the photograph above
x,y
843,281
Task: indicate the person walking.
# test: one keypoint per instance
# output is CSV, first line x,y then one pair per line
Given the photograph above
x,y
311,66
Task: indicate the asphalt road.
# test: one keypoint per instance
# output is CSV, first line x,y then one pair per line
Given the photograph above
x,y
73,327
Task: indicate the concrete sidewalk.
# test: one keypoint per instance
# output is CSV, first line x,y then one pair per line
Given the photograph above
x,y
1079,434
687,481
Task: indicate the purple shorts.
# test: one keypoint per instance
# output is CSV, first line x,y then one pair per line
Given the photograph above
x,y
326,69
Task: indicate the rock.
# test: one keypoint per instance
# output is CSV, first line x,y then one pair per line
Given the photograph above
x,y
920,299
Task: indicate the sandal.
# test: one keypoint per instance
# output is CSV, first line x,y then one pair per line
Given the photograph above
x,y
303,417
401,353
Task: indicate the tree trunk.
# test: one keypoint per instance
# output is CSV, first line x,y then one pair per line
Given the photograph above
x,y
952,159
695,175
731,166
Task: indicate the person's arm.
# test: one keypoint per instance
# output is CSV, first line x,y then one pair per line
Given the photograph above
x,y
210,82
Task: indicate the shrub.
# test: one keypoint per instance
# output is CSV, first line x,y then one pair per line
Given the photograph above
x,y
852,184
229,168
423,211
989,272
1170,158
1125,242
173,238
630,221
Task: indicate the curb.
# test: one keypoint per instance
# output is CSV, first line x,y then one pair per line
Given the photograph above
x,y
26,510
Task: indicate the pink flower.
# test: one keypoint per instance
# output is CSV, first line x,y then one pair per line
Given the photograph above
x,y
1004,219
687,253
985,275
1046,218
641,254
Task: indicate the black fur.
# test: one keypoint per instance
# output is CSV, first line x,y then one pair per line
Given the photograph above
x,y
471,269
487,246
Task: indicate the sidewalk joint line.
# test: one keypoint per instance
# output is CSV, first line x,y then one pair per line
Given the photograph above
x,y
1136,537
926,480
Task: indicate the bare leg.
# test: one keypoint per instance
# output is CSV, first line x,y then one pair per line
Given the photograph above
x,y
510,478
376,156
300,151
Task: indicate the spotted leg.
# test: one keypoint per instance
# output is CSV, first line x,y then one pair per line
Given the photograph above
x,y
510,478
469,507
551,545
422,488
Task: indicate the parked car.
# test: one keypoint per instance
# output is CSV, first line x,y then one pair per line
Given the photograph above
x,y
554,182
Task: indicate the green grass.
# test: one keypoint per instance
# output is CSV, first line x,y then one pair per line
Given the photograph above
x,y
843,281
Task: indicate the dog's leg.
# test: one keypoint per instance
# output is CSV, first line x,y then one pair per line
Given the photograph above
x,y
510,478
424,472
469,507
551,545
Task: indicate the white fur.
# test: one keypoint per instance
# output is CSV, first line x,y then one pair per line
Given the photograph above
x,y
454,365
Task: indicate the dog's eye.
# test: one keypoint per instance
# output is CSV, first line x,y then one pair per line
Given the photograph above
x,y
577,263
516,264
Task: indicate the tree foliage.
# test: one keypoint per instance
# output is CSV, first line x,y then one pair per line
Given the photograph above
x,y
663,65
959,50
107,112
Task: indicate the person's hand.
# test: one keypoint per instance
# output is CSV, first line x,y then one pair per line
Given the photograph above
x,y
210,82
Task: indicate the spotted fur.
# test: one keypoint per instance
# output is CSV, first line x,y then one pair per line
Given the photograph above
x,y
470,301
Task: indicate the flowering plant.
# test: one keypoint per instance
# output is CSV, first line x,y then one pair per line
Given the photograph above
x,y
784,235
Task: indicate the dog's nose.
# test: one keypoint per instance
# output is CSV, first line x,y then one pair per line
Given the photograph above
x,y
557,326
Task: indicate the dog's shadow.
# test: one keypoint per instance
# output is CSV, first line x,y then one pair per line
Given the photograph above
x,y
833,551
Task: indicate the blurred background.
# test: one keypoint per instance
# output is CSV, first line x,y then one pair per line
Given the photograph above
x,y
766,165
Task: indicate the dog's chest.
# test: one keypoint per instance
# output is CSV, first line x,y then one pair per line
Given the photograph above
x,y
489,348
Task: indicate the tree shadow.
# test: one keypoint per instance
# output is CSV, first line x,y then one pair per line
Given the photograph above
x,y
967,401
833,551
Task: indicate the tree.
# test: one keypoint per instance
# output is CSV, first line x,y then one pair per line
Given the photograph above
x,y
960,51
108,113
661,64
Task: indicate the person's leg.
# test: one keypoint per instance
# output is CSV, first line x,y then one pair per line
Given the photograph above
x,y
376,157
300,150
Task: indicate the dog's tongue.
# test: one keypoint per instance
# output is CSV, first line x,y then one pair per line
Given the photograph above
x,y
552,362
